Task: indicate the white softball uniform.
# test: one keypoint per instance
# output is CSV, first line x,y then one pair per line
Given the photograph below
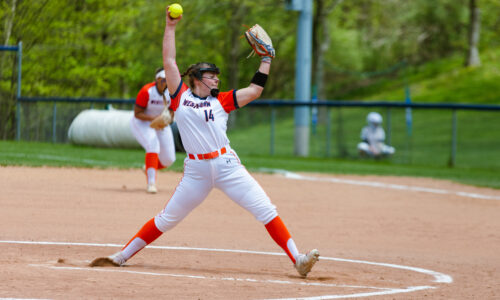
x,y
374,136
210,161
152,140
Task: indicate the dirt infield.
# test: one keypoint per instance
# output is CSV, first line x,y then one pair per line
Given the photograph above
x,y
380,238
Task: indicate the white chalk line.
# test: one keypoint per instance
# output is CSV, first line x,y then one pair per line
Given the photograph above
x,y
286,282
438,277
359,295
295,176
23,299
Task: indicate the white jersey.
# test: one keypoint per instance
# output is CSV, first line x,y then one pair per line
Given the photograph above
x,y
373,134
152,101
158,143
202,122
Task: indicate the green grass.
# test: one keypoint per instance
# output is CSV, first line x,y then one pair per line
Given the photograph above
x,y
65,155
441,81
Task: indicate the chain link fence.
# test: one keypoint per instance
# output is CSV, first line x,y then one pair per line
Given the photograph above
x,y
440,134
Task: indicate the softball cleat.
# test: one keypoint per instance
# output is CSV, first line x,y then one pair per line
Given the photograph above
x,y
115,260
152,189
305,262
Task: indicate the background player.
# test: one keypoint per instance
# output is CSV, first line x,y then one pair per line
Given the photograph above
x,y
158,143
201,115
373,138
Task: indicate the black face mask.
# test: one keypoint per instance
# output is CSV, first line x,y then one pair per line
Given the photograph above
x,y
214,92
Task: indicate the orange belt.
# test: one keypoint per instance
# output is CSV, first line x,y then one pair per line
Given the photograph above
x,y
208,155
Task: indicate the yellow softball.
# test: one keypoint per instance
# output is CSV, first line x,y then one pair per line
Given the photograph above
x,y
175,10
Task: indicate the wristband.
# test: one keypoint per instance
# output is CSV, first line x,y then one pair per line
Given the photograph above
x,y
266,59
259,79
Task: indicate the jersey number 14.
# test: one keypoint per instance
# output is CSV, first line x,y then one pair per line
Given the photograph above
x,y
209,115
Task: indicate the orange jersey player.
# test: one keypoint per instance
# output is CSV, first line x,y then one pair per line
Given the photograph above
x,y
158,143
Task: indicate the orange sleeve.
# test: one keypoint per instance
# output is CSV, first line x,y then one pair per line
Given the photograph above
x,y
176,97
143,96
228,100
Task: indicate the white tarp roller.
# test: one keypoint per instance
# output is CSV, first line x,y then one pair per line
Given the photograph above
x,y
103,128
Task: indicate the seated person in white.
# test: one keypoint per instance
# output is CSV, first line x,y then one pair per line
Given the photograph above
x,y
373,138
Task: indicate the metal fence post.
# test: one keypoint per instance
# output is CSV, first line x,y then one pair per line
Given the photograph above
x,y
273,119
389,129
453,138
18,120
19,77
328,131
54,120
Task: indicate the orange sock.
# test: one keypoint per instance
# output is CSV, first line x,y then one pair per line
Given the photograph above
x,y
160,166
152,160
280,235
148,233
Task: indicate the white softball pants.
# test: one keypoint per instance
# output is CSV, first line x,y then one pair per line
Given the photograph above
x,y
225,173
383,149
155,141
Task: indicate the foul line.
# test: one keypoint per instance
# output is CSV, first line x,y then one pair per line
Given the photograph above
x,y
438,277
291,175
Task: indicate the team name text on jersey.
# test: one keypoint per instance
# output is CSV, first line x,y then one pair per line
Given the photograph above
x,y
196,105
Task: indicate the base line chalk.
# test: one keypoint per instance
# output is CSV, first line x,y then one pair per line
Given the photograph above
x,y
295,176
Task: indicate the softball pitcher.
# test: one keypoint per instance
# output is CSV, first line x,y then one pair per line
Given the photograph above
x,y
158,143
201,114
